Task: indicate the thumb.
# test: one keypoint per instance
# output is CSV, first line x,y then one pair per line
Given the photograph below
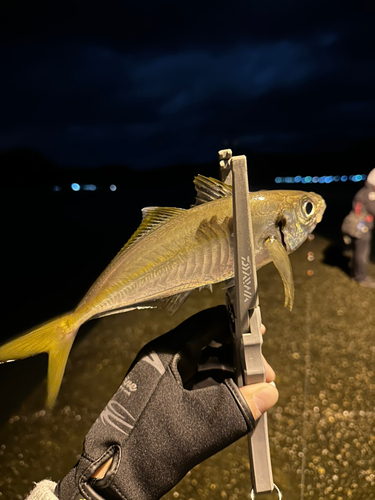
x,y
260,397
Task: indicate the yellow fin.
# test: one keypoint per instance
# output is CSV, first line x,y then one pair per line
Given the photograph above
x,y
209,189
282,263
173,303
55,338
151,218
156,215
209,286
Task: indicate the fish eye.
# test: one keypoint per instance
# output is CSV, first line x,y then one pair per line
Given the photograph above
x,y
308,208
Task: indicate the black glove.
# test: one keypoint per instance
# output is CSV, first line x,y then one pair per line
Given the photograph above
x,y
154,427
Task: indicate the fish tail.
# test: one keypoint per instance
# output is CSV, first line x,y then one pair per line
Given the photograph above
x,y
55,338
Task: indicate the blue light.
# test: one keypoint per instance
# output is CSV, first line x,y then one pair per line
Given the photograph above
x,y
89,187
323,179
56,189
75,186
113,187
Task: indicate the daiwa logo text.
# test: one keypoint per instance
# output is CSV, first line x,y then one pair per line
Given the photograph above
x,y
246,277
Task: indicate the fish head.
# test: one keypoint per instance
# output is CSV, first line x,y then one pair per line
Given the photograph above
x,y
282,220
298,214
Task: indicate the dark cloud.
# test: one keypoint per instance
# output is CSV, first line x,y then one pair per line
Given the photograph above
x,y
157,83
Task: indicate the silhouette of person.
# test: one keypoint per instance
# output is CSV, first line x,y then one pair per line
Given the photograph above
x,y
363,205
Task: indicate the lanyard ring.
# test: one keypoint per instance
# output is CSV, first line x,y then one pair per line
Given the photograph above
x,y
280,496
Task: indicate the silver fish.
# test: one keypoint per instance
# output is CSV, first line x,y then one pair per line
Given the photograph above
x,y
173,252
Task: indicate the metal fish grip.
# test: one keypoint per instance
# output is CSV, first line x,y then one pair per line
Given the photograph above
x,y
243,305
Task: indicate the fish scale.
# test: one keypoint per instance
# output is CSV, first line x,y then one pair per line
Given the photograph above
x,y
173,252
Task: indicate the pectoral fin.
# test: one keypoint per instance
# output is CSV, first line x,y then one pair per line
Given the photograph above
x,y
281,260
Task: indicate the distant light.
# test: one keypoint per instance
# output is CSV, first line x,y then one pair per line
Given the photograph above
x,y
75,186
323,179
89,187
113,187
56,189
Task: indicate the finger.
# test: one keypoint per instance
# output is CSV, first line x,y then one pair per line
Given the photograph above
x,y
270,373
260,397
262,329
102,471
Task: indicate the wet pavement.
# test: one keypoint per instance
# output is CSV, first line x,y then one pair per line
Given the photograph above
x,y
322,430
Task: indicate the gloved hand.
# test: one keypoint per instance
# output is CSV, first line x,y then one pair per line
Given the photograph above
x,y
158,426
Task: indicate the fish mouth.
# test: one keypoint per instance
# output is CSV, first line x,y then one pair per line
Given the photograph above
x,y
281,224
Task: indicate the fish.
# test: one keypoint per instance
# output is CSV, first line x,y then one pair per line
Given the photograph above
x,y
173,252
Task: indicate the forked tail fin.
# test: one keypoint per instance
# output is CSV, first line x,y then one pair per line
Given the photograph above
x,y
55,338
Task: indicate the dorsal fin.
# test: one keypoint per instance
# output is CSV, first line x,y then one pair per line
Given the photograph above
x,y
209,189
155,215
151,218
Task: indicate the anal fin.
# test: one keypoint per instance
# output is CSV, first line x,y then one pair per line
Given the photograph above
x,y
173,303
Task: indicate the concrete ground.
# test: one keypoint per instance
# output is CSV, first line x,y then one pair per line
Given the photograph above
x,y
322,430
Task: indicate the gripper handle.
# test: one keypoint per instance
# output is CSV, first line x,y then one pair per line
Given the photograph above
x,y
248,337
259,449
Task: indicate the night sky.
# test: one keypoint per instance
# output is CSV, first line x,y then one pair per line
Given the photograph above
x,y
150,84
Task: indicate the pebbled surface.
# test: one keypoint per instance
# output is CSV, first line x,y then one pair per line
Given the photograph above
x,y
322,430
